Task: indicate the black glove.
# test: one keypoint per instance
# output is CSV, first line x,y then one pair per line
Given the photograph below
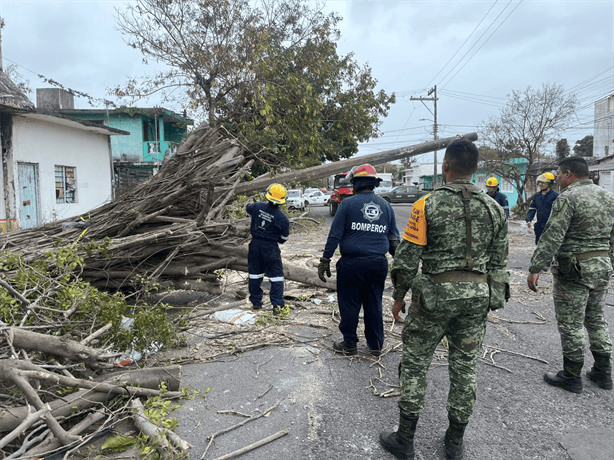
x,y
324,267
393,244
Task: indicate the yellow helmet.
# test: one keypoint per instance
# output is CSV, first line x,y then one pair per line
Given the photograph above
x,y
546,178
492,182
276,193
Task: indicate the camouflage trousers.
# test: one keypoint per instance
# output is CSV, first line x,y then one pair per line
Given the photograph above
x,y
463,322
579,304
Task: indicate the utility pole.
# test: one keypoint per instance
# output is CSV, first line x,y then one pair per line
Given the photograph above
x,y
432,91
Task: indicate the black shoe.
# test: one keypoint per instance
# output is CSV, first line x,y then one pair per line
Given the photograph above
x,y
375,352
277,310
345,348
392,443
256,307
564,380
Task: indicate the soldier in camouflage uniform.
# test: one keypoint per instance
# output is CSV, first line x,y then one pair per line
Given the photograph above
x,y
580,234
460,235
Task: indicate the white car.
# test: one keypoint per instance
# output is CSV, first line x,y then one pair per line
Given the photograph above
x,y
318,197
309,191
295,199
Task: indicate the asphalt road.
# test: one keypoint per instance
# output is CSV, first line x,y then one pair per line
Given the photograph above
x,y
328,404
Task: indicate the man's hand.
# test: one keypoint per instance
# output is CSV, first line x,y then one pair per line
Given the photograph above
x,y
529,224
324,267
532,281
399,306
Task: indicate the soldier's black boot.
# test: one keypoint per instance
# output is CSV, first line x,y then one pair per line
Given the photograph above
x,y
401,443
569,378
453,440
601,373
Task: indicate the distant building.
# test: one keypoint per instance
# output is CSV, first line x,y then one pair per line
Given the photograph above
x,y
53,166
154,133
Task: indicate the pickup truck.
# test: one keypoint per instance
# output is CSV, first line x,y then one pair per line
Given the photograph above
x,y
404,194
318,197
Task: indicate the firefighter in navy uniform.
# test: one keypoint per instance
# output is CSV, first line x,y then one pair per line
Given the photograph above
x,y
492,190
365,229
269,228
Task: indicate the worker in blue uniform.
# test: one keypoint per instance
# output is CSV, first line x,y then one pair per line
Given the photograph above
x,y
542,204
269,228
492,190
365,229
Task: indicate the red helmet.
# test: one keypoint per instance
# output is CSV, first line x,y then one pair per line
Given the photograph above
x,y
363,172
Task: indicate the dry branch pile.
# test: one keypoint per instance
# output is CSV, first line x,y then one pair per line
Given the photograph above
x,y
169,229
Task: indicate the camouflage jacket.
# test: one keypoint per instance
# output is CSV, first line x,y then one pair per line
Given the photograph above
x,y
445,247
581,221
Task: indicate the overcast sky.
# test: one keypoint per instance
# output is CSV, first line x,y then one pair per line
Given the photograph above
x,y
476,52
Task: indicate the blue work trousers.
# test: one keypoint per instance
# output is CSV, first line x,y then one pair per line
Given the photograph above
x,y
360,282
264,258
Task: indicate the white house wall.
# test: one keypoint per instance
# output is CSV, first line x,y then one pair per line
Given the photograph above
x,y
48,145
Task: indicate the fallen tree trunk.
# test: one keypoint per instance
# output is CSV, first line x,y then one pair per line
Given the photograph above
x,y
325,170
291,272
84,399
61,346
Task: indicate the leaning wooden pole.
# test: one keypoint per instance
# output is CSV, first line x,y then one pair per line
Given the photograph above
x,y
325,170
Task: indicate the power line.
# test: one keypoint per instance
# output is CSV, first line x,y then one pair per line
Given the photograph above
x,y
486,41
460,47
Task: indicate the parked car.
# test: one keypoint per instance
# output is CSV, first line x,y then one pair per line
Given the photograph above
x,y
404,194
318,197
309,191
296,200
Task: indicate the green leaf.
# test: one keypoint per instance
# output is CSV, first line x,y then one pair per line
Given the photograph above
x,y
118,443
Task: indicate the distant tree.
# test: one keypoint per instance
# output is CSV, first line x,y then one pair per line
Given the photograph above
x,y
22,84
584,147
562,149
266,70
516,139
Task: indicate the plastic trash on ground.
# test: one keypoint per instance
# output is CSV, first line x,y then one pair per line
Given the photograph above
x,y
235,317
316,301
331,298
132,356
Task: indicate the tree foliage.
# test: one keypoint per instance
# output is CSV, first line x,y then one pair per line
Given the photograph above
x,y
268,71
584,147
531,120
562,149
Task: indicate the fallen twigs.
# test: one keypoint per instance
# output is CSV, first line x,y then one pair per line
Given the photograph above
x,y
264,413
255,445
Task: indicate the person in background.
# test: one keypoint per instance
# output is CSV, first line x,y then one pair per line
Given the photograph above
x,y
365,229
460,237
542,204
492,190
269,228
580,235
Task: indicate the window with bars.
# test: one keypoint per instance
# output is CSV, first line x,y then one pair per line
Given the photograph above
x,y
506,186
481,180
65,184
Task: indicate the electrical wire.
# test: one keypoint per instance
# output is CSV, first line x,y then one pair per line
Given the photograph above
x,y
486,41
460,47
